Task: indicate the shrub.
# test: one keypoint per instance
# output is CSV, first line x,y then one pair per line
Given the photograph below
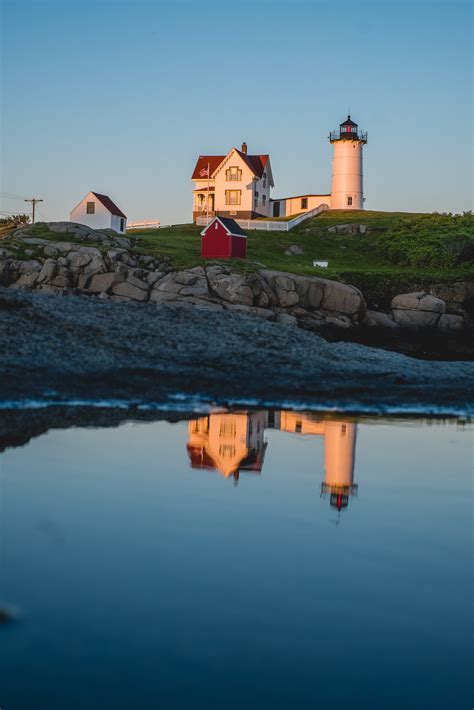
x,y
431,240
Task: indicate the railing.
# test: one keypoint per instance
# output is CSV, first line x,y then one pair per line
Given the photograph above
x,y
272,225
356,136
205,213
147,224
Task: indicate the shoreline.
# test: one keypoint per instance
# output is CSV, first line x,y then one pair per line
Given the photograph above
x,y
77,350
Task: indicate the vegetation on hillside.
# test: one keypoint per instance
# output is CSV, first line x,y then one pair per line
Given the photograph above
x,y
442,241
14,220
399,252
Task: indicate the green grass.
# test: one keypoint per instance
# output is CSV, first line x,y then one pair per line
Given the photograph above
x,y
357,259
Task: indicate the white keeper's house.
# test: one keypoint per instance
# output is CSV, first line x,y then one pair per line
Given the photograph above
x,y
238,184
99,212
232,185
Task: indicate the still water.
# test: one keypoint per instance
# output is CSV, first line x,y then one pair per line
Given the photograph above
x,y
265,559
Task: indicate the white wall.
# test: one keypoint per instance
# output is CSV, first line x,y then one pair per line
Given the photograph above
x,y
292,205
101,219
347,175
116,224
245,185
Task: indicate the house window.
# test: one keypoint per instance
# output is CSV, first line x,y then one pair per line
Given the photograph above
x,y
122,224
227,451
227,428
304,203
233,197
233,173
90,208
349,200
264,177
264,199
256,199
216,225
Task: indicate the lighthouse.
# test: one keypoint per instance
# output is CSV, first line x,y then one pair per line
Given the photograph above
x,y
346,187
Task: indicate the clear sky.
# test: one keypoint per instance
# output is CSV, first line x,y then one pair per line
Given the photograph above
x,y
121,97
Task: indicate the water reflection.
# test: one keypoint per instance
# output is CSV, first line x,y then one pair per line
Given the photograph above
x,y
233,442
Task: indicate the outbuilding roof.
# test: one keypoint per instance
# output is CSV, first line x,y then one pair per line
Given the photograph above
x,y
109,204
229,224
232,226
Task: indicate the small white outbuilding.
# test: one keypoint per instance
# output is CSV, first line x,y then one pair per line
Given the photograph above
x,y
99,212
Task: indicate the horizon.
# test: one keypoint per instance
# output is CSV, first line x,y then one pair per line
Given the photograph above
x,y
126,103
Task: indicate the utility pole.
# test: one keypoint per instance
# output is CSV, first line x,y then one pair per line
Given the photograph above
x,y
33,201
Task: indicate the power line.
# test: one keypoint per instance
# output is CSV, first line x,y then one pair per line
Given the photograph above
x,y
5,196
34,201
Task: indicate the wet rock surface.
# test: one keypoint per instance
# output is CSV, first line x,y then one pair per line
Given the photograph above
x,y
89,349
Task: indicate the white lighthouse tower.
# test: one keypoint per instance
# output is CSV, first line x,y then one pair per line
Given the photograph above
x,y
346,188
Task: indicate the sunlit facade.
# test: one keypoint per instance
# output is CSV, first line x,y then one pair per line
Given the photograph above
x,y
234,442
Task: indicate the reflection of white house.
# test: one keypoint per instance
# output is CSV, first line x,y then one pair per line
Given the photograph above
x,y
99,212
232,185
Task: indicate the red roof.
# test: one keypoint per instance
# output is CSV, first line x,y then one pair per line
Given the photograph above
x,y
256,163
201,166
109,204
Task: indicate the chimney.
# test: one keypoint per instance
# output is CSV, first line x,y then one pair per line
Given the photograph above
x,y
244,148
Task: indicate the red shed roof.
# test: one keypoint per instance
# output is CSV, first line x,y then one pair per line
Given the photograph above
x,y
109,204
230,225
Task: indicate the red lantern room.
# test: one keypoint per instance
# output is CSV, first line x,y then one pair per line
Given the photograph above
x,y
348,131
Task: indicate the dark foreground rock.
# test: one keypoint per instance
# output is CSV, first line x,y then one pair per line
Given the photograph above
x,y
62,349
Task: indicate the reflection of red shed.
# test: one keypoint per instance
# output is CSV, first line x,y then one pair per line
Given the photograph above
x,y
223,239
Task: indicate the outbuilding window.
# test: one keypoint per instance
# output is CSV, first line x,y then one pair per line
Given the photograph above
x,y
122,224
90,208
349,200
304,203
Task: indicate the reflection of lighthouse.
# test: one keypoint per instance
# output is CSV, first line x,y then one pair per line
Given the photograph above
x,y
339,451
339,456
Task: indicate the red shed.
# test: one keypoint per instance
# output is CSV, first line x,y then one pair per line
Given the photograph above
x,y
223,239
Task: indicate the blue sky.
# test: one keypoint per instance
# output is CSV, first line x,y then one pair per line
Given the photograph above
x,y
121,97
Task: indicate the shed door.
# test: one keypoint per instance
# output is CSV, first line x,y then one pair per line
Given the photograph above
x,y
276,209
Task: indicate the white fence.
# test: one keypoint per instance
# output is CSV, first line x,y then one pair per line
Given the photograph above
x,y
271,225
147,224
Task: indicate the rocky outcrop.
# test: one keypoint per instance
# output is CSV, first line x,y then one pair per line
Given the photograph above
x,y
111,270
352,228
417,310
294,250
